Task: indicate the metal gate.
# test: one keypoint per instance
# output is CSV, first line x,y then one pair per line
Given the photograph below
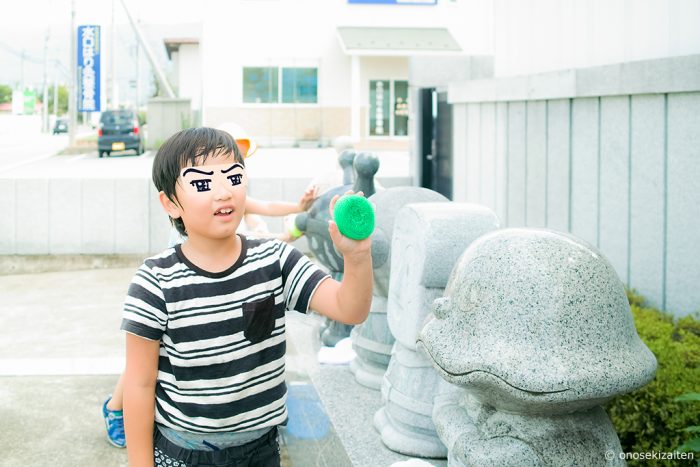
x,y
436,141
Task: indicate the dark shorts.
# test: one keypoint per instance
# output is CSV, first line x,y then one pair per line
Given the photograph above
x,y
262,452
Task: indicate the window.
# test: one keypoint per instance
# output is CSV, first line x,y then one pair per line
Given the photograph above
x,y
401,108
261,85
299,85
388,108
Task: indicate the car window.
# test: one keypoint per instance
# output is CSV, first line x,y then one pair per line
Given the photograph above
x,y
117,118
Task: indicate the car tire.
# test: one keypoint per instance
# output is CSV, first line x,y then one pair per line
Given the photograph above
x,y
141,149
100,154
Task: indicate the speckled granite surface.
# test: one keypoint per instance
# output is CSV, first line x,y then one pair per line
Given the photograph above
x,y
535,327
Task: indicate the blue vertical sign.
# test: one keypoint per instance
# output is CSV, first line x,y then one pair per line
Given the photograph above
x,y
88,68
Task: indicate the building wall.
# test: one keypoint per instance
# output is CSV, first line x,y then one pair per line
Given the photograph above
x,y
190,74
610,154
243,33
533,36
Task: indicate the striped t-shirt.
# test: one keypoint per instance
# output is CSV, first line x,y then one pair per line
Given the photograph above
x,y
222,335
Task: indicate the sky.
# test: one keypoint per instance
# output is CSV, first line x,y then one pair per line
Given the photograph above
x,y
25,24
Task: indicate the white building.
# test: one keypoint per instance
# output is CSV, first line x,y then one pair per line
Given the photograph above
x,y
296,71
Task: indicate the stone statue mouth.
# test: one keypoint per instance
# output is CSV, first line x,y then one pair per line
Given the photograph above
x,y
526,391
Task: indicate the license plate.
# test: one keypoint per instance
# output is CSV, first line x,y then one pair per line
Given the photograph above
x,y
118,146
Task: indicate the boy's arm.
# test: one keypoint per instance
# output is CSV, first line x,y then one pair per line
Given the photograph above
x,y
347,301
139,398
281,208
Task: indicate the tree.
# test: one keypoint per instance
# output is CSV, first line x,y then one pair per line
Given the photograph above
x,y
5,94
62,100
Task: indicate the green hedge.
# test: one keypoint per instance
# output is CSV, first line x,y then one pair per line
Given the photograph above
x,y
649,419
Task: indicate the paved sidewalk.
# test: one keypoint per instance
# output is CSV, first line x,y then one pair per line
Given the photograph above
x,y
61,351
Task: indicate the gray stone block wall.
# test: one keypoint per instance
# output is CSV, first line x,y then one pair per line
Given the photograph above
x,y
501,133
646,263
474,185
488,155
65,214
517,163
536,164
683,202
610,154
108,215
614,182
558,164
584,169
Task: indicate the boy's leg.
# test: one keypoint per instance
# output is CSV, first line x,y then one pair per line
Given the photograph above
x,y
113,414
117,400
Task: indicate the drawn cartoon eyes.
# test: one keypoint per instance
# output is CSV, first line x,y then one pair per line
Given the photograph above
x,y
201,185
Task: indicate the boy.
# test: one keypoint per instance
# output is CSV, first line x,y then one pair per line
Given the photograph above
x,y
205,319
251,225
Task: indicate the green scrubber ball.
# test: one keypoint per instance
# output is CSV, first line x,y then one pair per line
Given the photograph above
x,y
354,216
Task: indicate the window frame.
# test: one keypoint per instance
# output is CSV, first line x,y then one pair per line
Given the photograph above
x,y
392,108
279,102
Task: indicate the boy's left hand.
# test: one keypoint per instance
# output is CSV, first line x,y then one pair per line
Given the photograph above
x,y
349,248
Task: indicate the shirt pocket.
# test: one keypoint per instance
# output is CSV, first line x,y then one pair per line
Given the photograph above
x,y
259,319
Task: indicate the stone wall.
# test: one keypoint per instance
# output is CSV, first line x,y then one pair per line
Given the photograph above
x,y
609,154
120,215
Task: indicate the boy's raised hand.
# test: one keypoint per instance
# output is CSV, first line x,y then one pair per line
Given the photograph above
x,y
347,247
308,198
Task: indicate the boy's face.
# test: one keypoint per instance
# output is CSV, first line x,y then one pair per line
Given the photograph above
x,y
211,197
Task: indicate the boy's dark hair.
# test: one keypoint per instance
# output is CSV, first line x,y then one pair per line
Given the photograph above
x,y
189,147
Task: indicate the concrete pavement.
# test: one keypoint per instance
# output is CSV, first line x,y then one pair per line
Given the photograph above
x,y
61,351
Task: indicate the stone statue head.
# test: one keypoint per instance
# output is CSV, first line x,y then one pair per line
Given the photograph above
x,y
536,321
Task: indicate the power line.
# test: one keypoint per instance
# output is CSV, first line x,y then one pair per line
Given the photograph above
x,y
25,56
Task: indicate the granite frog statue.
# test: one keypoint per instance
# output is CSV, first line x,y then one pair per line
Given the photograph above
x,y
535,328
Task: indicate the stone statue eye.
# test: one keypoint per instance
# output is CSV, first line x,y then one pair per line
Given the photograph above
x,y
201,185
235,179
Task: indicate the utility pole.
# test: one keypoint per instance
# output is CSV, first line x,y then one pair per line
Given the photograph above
x,y
55,92
138,77
45,99
21,71
164,84
72,93
113,65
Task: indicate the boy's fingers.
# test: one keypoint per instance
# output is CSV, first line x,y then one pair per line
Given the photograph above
x,y
334,232
331,205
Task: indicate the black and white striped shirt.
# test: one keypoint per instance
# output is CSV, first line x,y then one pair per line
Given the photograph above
x,y
222,335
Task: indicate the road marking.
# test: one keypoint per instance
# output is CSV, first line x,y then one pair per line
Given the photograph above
x,y
61,366
75,159
21,163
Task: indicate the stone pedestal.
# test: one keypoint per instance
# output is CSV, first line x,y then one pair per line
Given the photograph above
x,y
372,340
430,237
535,329
405,422
314,224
